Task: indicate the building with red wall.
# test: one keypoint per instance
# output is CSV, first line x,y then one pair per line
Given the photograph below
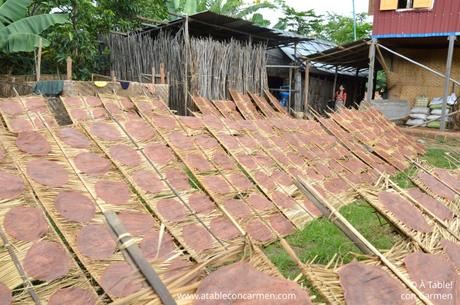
x,y
419,30
415,18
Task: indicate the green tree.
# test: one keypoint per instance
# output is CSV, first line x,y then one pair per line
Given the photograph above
x,y
21,33
339,29
306,23
90,20
232,8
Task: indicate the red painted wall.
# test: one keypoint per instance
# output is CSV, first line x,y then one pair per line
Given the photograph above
x,y
444,18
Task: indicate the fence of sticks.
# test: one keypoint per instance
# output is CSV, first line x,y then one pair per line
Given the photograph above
x,y
212,67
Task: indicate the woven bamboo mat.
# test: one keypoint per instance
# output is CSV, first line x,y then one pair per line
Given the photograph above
x,y
274,102
264,106
196,141
118,106
371,129
84,108
17,212
428,240
150,104
326,279
228,109
22,113
205,106
245,105
101,266
262,169
169,196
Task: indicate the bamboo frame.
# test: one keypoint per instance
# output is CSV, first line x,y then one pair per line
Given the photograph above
x,y
205,106
264,107
228,109
77,182
12,274
429,242
245,105
298,214
31,116
181,196
89,109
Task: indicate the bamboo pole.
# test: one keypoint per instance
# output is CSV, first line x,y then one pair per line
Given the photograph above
x,y
365,242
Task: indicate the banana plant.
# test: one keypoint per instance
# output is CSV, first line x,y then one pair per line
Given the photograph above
x,y
21,33
232,8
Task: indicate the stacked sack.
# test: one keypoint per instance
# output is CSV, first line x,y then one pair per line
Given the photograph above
x,y
419,114
436,110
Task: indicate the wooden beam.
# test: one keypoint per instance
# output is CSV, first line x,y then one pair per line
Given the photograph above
x,y
381,60
370,80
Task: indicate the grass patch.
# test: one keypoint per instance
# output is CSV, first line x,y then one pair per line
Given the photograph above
x,y
434,156
321,239
437,158
402,178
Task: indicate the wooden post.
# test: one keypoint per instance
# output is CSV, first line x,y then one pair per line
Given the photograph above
x,y
153,75
113,76
307,87
298,90
450,55
334,86
69,68
162,74
39,59
290,91
370,81
187,54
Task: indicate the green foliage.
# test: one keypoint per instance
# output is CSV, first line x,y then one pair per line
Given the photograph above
x,y
304,23
232,8
381,80
19,33
402,178
332,27
81,37
339,29
437,158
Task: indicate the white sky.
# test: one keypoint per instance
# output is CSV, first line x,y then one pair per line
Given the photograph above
x,y
342,7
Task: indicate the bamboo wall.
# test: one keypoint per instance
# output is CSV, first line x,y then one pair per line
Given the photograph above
x,y
214,67
407,81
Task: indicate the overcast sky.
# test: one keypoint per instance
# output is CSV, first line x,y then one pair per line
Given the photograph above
x,y
342,7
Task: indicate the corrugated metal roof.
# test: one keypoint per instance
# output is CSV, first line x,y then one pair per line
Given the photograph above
x,y
225,27
442,20
317,47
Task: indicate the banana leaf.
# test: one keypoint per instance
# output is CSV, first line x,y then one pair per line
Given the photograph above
x,y
28,29
13,10
23,42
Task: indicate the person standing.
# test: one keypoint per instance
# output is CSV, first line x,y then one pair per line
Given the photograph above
x,y
340,97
